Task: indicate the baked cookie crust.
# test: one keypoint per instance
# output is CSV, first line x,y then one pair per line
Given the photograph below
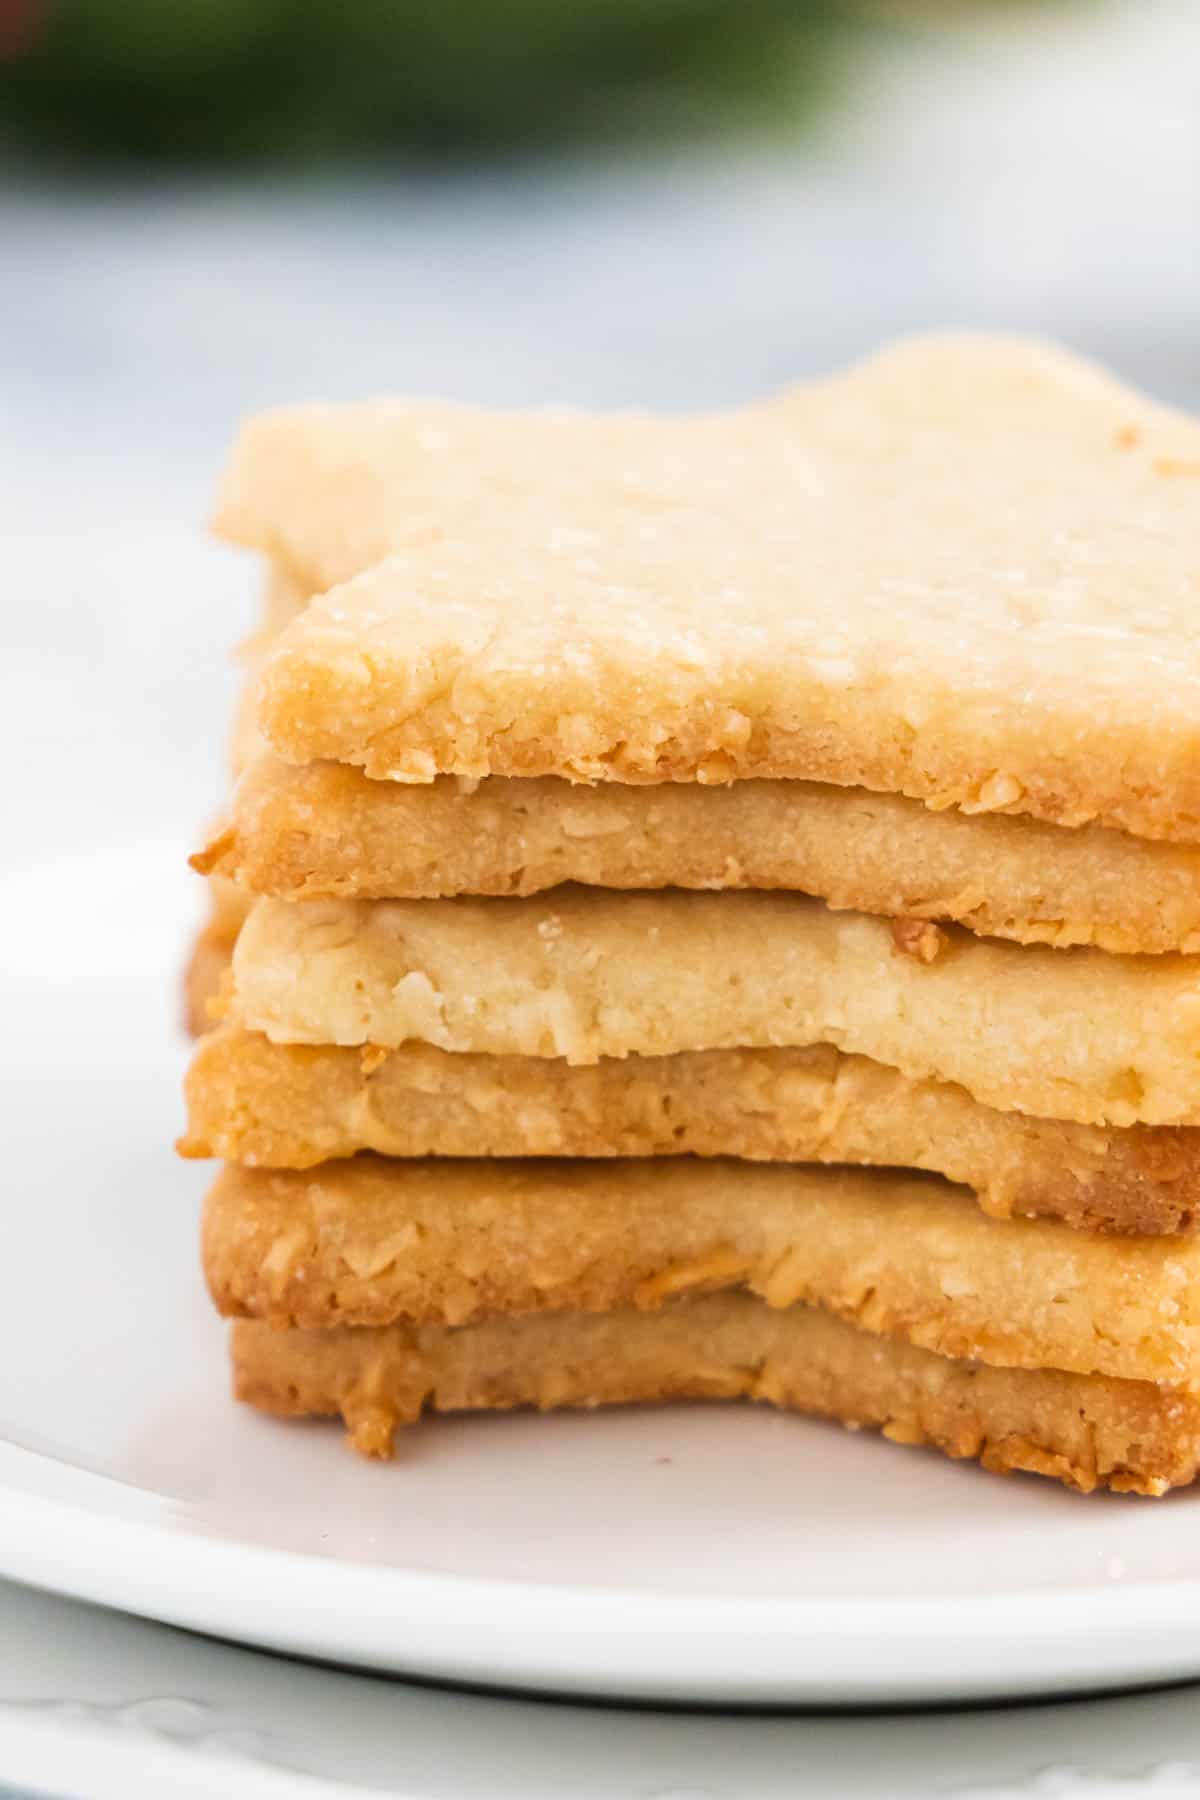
x,y
293,1106
374,1240
326,831
1087,1431
964,572
584,973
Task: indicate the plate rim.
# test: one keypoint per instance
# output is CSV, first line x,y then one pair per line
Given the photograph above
x,y
607,1642
75,1530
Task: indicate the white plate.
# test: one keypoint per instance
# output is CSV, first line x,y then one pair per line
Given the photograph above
x,y
706,1554
118,1707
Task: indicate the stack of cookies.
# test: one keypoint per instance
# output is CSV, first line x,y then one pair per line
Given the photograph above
x,y
724,913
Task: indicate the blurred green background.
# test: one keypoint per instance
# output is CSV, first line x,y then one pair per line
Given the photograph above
x,y
179,80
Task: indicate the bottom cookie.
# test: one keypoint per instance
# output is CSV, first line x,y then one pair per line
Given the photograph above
x,y
1087,1431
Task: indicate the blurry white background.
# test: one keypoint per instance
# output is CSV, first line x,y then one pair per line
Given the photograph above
x,y
1033,168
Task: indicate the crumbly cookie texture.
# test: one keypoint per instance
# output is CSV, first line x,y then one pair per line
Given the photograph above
x,y
965,571
292,1106
373,1240
1088,1431
325,830
583,973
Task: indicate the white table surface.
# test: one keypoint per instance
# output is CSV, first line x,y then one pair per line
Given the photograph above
x,y
96,1704
1039,177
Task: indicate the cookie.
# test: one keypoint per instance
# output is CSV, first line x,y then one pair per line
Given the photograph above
x,y
292,1106
1088,1431
584,973
965,572
325,830
374,1240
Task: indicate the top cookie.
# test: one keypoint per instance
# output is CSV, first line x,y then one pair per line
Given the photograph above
x,y
967,571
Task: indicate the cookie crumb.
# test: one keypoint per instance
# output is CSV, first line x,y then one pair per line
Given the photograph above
x,y
919,938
